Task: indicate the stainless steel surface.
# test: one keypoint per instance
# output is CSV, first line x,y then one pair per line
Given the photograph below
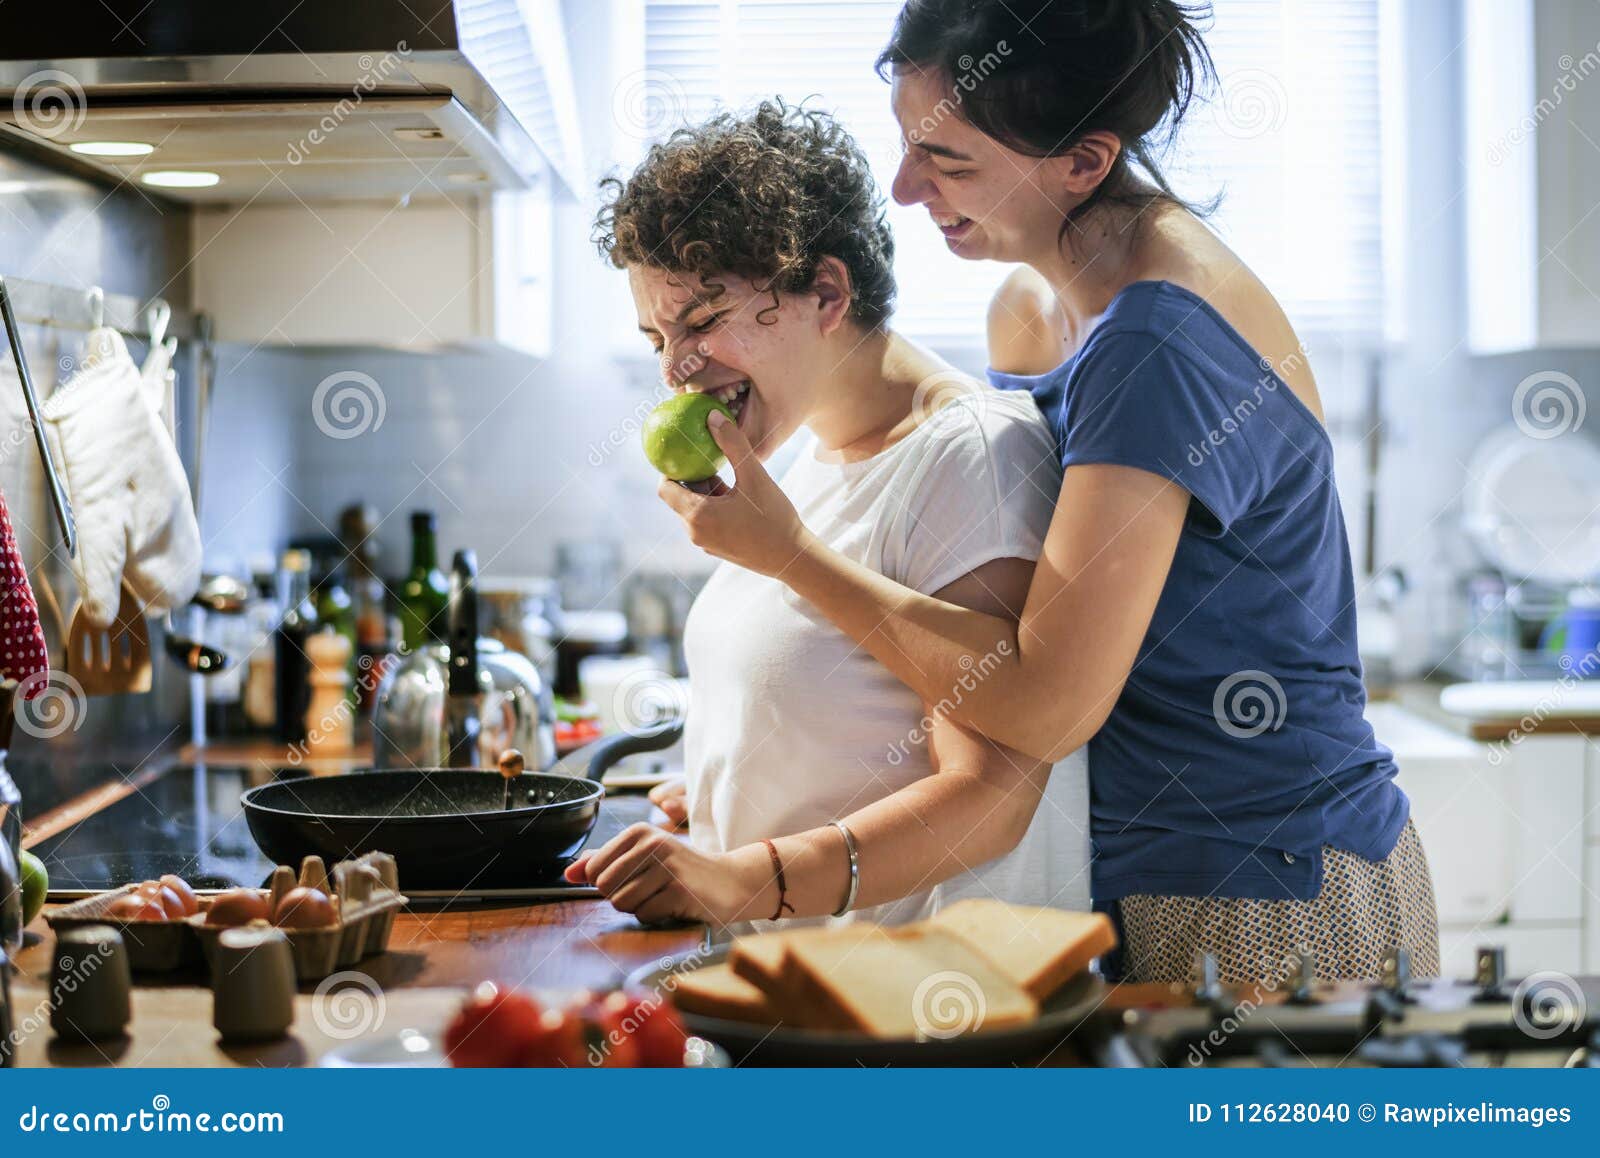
x,y
467,89
410,722
58,494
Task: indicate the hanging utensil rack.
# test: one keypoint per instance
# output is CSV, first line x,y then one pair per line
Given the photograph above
x,y
66,308
24,302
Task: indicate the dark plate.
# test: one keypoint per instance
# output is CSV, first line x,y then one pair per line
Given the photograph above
x,y
446,828
748,1043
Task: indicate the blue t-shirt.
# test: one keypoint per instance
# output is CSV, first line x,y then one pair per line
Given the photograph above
x,y
1239,745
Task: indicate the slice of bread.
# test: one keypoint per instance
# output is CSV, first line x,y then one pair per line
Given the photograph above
x,y
1039,949
714,991
918,982
759,958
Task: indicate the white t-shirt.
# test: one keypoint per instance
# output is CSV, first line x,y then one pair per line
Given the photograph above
x,y
792,725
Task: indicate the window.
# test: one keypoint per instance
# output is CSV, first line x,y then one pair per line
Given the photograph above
x,y
1290,138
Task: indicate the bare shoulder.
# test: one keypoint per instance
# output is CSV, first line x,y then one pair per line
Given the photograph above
x,y
1027,332
1188,254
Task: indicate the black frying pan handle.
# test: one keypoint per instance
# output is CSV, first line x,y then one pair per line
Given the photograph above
x,y
595,758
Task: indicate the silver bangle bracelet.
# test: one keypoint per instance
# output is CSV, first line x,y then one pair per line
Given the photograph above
x,y
855,869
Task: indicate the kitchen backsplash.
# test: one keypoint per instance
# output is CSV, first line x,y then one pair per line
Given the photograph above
x,y
513,455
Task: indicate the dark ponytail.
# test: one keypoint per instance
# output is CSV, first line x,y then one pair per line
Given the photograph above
x,y
1037,75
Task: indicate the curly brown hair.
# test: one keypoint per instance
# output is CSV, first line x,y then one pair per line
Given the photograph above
x,y
765,195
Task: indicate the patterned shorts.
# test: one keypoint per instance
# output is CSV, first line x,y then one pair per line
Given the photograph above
x,y
1365,908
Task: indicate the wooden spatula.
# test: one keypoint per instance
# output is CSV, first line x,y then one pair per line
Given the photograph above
x,y
113,660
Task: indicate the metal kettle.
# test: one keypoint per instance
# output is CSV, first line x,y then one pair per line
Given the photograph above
x,y
460,704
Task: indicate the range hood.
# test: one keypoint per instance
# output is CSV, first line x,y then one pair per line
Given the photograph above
x,y
297,100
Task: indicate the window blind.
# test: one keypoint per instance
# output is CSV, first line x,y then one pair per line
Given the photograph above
x,y
1289,137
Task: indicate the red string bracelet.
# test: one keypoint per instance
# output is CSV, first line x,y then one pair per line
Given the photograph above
x,y
783,887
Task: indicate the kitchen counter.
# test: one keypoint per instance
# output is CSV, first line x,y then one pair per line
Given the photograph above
x,y
434,955
432,958
1422,698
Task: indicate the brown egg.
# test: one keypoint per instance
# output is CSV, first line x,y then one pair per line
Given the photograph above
x,y
237,907
305,908
136,906
171,903
191,903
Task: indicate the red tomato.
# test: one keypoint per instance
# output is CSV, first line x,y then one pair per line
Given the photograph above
x,y
659,1032
493,1028
558,1042
610,1032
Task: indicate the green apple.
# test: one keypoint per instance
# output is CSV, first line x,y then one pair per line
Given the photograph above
x,y
677,440
35,884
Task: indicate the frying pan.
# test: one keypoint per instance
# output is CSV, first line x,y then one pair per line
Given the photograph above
x,y
447,828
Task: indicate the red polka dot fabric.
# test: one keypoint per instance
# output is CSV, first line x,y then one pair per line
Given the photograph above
x,y
22,649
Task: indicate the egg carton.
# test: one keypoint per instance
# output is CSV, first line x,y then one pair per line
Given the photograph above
x,y
152,946
366,891
366,896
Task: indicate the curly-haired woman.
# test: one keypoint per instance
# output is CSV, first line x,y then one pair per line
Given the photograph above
x,y
1192,617
759,261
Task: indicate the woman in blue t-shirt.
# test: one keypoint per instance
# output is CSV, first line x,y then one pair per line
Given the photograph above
x,y
1192,616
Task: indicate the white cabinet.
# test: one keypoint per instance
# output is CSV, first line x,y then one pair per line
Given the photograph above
x,y
1507,834
1531,153
430,272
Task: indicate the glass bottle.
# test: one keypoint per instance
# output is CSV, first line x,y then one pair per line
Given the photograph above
x,y
425,592
291,668
357,525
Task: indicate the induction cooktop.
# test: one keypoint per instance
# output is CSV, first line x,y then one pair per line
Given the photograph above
x,y
189,821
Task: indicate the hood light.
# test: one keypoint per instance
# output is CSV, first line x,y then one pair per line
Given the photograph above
x,y
180,179
112,148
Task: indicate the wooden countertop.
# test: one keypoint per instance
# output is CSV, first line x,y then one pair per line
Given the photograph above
x,y
433,957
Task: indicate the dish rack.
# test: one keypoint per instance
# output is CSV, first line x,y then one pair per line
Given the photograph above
x,y
366,891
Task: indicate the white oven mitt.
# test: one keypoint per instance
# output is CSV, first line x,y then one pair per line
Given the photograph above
x,y
129,494
160,380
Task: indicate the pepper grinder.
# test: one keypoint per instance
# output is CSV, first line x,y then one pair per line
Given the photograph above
x,y
330,720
